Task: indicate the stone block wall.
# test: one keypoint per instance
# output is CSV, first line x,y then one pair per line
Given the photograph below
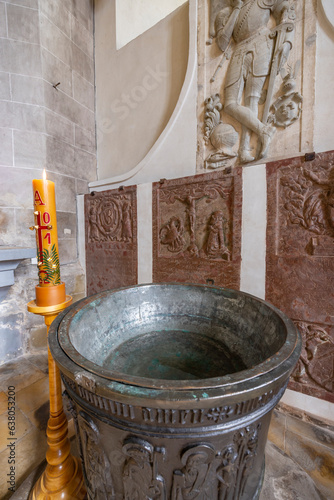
x,y
43,125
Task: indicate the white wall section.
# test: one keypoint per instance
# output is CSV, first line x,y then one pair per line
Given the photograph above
x,y
324,116
134,17
253,240
144,215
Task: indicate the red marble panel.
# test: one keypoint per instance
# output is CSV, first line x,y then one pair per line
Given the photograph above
x,y
197,229
300,262
111,239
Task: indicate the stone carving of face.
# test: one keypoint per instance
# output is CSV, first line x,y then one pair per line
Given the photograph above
x,y
287,112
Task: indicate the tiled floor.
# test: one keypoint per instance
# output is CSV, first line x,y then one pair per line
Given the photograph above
x,y
299,455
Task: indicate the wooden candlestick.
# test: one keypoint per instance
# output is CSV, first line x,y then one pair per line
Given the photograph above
x,y
62,478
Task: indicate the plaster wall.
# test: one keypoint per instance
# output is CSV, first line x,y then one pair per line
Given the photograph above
x,y
134,18
42,126
324,99
138,86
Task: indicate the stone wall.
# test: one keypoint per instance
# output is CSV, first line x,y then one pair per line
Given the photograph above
x,y
46,121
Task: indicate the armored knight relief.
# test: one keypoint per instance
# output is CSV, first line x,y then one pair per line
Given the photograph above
x,y
300,262
196,224
111,239
250,80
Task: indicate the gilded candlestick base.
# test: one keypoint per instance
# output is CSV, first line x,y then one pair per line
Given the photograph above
x,y
62,478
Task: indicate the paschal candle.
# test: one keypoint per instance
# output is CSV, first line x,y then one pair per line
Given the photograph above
x,y
46,232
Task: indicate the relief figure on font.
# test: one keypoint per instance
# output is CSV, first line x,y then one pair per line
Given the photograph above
x,y
197,478
141,480
258,56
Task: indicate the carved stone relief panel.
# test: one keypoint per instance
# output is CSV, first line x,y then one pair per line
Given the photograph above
x,y
197,229
300,262
111,239
255,60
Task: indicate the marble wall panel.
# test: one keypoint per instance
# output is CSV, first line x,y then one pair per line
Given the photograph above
x,y
197,229
111,239
300,262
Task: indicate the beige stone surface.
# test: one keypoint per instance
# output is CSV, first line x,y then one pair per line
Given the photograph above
x,y
38,338
3,402
132,19
30,451
22,426
33,396
19,374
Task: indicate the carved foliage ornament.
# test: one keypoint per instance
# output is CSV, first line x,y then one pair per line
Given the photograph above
x,y
309,203
221,135
316,362
110,219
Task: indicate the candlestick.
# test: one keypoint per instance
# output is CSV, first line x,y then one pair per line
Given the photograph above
x,y
50,289
62,478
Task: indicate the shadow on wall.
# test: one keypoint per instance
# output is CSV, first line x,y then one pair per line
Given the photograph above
x,y
137,87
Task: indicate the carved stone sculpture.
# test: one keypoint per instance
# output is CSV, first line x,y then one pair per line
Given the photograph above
x,y
171,234
110,219
259,54
141,480
287,108
310,203
300,262
111,239
317,358
215,245
221,135
196,229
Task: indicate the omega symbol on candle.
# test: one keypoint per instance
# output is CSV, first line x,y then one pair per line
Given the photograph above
x,y
46,232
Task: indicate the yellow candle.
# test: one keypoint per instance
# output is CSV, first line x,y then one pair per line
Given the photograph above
x,y
46,232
